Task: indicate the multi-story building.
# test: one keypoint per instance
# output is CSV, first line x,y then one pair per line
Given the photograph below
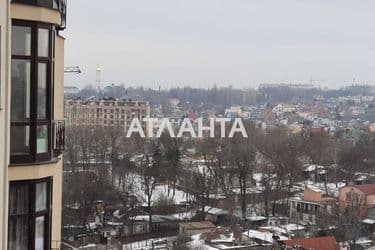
x,y
31,126
304,211
105,112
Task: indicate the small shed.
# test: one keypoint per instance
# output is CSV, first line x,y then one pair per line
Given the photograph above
x,y
218,216
191,228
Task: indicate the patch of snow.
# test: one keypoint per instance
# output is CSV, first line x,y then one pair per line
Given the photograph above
x,y
148,244
369,221
214,210
263,236
198,243
292,227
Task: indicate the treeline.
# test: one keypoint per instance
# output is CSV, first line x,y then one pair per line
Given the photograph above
x,y
196,98
188,96
285,93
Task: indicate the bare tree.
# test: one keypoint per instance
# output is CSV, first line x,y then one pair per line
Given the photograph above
x,y
345,223
71,144
319,147
215,156
281,167
150,173
171,170
242,157
200,185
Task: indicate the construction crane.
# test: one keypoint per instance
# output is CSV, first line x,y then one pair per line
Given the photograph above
x,y
312,81
74,69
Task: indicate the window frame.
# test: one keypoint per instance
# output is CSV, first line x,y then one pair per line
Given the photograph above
x,y
32,214
41,3
34,122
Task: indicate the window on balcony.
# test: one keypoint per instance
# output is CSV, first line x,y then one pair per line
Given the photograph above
x,y
31,88
29,215
53,4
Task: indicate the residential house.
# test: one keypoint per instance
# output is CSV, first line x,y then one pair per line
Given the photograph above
x,y
191,228
304,210
255,221
361,197
315,173
283,108
140,224
216,215
317,243
263,238
226,238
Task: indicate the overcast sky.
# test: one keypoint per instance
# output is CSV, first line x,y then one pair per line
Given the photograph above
x,y
228,42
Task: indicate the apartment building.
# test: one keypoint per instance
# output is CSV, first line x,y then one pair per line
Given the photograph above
x,y
105,112
31,123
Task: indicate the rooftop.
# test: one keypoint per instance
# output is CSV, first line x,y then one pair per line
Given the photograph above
x,y
215,210
198,225
366,188
262,236
318,243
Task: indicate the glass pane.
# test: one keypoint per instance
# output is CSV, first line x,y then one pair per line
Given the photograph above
x,y
41,197
42,90
42,139
18,199
21,40
18,233
55,4
20,110
20,137
39,233
43,42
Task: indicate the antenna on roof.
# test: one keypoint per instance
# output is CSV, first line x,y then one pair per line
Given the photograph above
x,y
98,78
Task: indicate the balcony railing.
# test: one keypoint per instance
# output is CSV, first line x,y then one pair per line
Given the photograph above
x,y
59,5
58,137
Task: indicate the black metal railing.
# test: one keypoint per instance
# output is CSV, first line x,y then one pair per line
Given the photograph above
x,y
58,137
59,5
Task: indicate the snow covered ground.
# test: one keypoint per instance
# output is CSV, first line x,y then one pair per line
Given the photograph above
x,y
263,236
198,243
134,185
157,243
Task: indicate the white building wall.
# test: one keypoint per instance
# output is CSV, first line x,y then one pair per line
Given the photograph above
x,y
4,117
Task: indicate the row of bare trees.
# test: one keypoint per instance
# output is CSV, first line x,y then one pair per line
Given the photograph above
x,y
278,157
102,164
232,162
99,163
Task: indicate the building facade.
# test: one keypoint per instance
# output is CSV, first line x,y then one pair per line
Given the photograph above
x,y
31,123
105,112
4,128
304,211
359,197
